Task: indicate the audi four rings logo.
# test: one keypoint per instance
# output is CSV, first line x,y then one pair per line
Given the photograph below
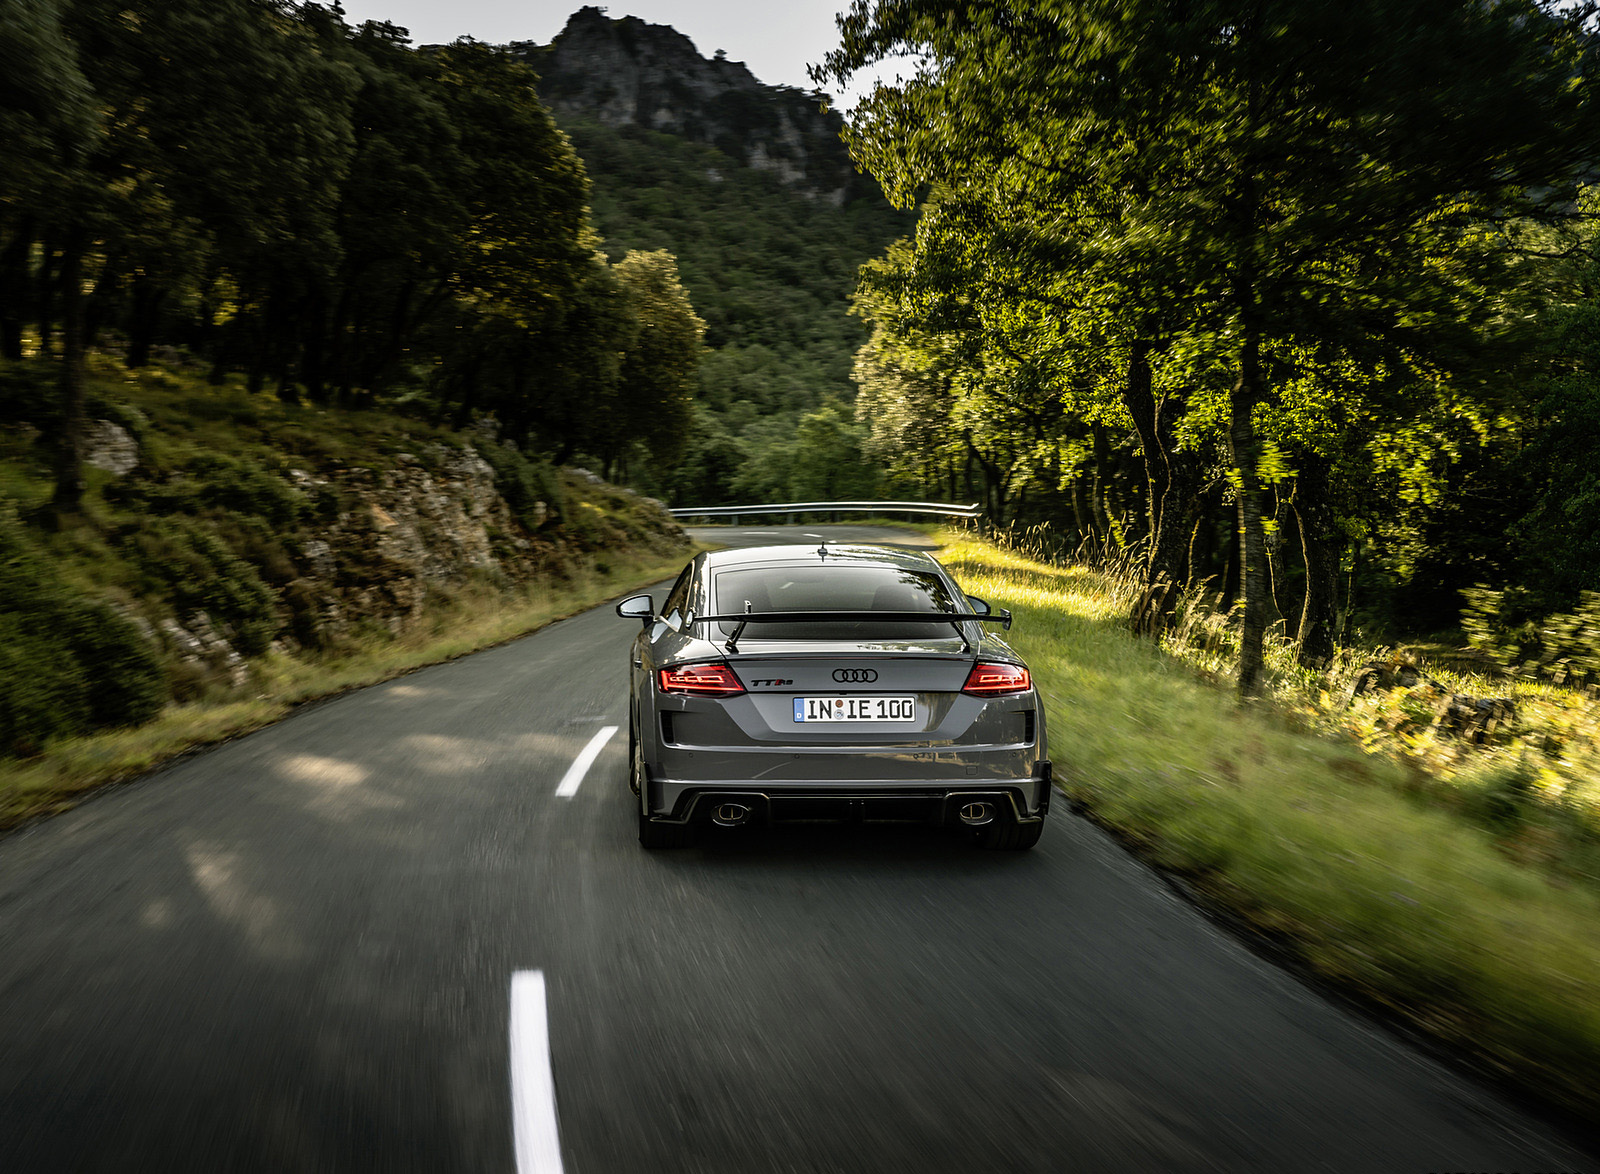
x,y
854,676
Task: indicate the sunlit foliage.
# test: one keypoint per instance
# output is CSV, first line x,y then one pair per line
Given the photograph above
x,y
1197,261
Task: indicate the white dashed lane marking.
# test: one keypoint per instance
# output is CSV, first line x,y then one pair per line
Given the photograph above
x,y
573,779
533,1088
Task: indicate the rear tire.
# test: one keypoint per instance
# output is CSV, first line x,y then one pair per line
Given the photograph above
x,y
651,833
1006,835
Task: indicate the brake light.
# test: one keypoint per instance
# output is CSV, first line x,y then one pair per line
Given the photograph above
x,y
713,680
989,679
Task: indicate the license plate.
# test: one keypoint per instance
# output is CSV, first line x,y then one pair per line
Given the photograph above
x,y
855,709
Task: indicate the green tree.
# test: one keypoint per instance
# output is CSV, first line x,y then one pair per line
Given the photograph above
x,y
52,191
239,151
400,217
1287,165
524,186
565,390
47,122
1558,538
828,462
655,388
766,268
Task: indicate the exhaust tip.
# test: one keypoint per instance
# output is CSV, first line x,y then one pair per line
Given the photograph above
x,y
975,815
730,815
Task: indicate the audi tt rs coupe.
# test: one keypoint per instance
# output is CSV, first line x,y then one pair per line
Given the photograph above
x,y
796,683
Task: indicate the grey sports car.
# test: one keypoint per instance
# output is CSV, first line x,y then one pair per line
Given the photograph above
x,y
797,683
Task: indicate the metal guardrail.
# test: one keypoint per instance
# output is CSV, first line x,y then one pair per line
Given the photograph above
x,y
945,509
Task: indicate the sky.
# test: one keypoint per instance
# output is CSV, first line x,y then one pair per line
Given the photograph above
x,y
776,40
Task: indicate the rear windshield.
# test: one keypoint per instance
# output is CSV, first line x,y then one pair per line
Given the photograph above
x,y
834,588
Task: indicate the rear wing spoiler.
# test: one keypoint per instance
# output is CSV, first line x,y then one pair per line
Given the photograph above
x,y
954,618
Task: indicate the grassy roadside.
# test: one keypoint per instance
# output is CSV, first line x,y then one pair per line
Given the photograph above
x,y
1330,850
469,620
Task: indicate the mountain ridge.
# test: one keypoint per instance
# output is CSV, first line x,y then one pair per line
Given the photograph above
x,y
626,72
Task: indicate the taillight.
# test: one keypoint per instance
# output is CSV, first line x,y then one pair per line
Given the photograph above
x,y
989,679
711,680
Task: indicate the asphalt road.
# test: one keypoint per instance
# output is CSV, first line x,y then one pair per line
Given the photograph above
x,y
296,952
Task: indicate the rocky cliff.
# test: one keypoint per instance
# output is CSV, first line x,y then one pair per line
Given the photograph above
x,y
627,72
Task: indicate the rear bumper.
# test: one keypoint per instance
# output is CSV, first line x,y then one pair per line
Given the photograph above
x,y
1024,800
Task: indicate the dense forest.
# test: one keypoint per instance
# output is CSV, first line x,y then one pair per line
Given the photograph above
x,y
329,211
348,219
771,272
297,275
1294,298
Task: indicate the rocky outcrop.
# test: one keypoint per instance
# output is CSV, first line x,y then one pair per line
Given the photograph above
x,y
626,72
205,652
427,523
309,555
439,520
109,446
430,523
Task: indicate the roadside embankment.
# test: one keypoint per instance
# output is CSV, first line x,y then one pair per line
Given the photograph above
x,y
236,555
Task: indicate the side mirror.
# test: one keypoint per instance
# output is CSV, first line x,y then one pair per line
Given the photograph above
x,y
978,605
637,607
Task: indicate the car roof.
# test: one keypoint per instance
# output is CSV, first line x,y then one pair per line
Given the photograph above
x,y
842,554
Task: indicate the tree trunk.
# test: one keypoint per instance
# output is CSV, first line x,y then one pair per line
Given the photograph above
x,y
1347,609
1288,602
517,415
101,301
68,497
338,359
254,335
1231,589
1321,542
392,345
469,396
14,288
44,293
282,341
1210,547
994,486
1172,484
1243,443
1195,553
213,341
1245,449
144,317
1134,508
1274,541
1099,487
314,351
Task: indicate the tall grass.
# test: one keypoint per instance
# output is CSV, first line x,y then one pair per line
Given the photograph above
x,y
1533,781
1276,813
